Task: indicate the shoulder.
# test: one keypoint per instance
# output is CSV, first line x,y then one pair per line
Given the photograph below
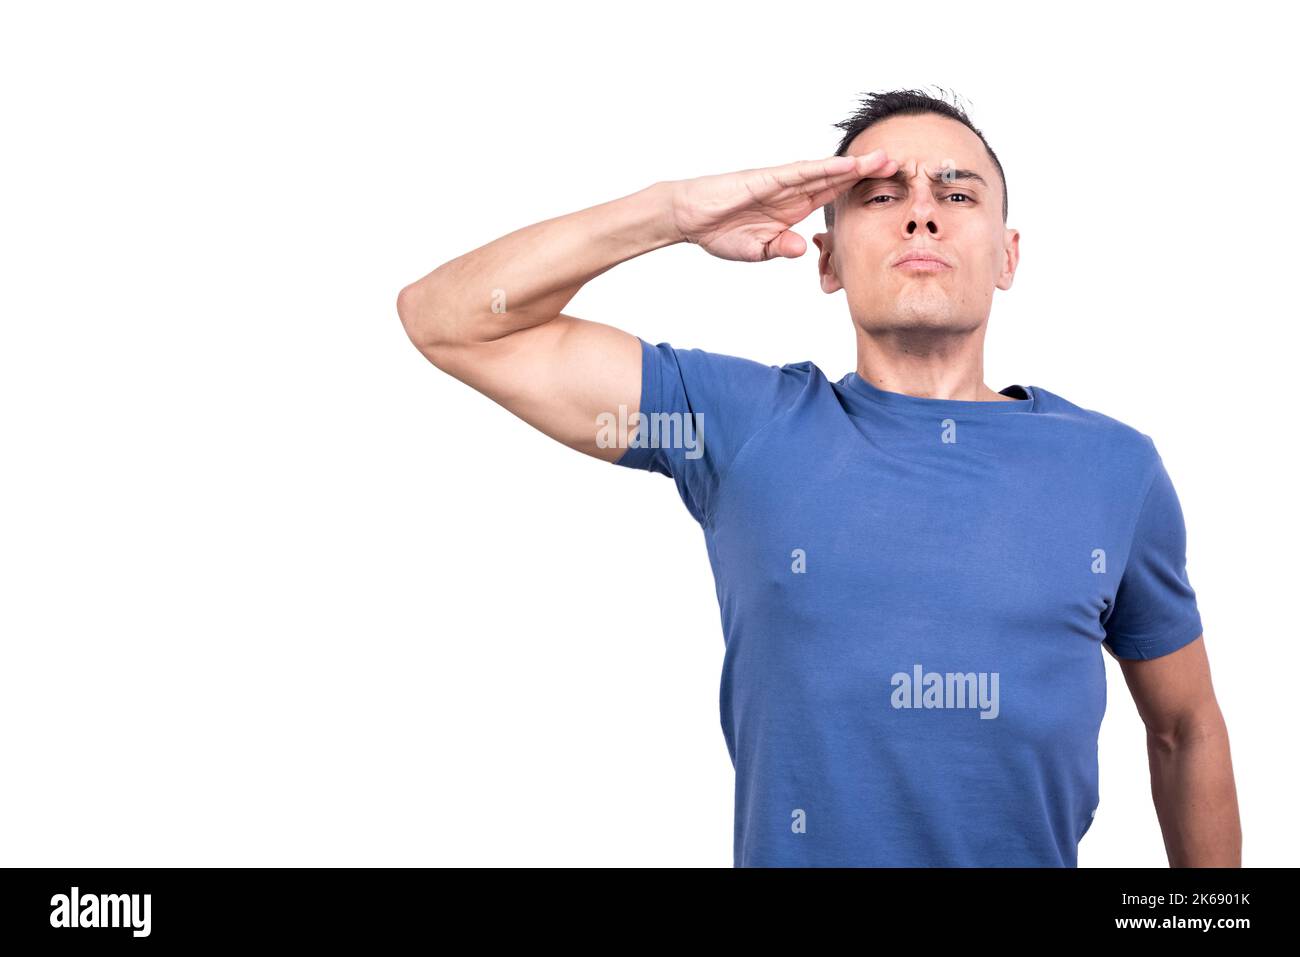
x,y
1118,444
721,362
726,378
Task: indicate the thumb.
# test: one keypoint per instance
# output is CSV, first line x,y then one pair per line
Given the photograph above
x,y
789,245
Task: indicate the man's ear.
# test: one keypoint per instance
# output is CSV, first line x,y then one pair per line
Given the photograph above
x,y
1010,258
825,263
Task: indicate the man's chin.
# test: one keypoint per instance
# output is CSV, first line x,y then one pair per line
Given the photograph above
x,y
931,318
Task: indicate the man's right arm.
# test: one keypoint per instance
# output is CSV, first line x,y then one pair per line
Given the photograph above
x,y
493,318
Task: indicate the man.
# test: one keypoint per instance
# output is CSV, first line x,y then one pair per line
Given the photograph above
x,y
916,573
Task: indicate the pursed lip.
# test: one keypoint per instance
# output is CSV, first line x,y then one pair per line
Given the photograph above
x,y
921,255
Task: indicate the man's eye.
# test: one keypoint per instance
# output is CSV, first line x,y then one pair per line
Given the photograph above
x,y
965,196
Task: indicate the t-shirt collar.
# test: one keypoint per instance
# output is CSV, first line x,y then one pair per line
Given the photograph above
x,y
1023,397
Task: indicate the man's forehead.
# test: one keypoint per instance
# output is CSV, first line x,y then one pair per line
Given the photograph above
x,y
933,143
931,159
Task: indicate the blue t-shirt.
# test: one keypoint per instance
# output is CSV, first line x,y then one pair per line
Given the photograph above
x,y
914,595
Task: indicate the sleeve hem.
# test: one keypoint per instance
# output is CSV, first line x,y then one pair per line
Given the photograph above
x,y
1143,649
637,456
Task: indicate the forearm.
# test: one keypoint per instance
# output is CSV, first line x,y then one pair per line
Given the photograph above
x,y
528,276
1195,795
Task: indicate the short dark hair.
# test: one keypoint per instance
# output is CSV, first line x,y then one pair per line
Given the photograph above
x,y
880,106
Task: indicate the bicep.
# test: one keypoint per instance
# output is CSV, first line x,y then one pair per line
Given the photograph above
x,y
1172,691
567,378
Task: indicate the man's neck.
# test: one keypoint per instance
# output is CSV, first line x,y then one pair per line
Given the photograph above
x,y
925,364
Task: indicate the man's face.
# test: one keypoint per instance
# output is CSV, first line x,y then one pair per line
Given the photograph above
x,y
956,219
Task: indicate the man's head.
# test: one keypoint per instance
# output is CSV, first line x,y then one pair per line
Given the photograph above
x,y
948,199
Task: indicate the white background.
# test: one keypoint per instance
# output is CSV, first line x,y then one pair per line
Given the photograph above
x,y
278,591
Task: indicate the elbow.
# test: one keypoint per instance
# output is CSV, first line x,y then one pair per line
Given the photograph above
x,y
409,311
426,332
1185,731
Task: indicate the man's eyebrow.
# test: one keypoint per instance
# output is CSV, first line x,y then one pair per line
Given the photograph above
x,y
943,175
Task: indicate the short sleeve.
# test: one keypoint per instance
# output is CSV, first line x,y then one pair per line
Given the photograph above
x,y
1154,611
698,410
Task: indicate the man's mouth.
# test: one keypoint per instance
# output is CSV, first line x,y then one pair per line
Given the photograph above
x,y
922,265
921,260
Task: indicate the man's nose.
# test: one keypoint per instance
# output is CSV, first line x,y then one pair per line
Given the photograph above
x,y
923,213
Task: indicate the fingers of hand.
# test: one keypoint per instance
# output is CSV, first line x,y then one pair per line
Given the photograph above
x,y
835,173
866,168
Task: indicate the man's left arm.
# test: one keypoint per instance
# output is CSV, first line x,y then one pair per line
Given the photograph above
x,y
1191,765
1154,629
